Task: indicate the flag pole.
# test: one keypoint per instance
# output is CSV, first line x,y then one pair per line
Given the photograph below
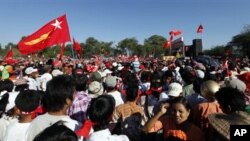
x,y
170,49
73,55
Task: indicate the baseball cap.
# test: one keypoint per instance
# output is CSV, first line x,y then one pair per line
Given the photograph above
x,y
110,81
30,70
56,72
174,89
95,76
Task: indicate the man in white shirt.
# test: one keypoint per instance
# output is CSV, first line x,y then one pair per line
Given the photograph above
x,y
57,99
46,77
110,83
32,75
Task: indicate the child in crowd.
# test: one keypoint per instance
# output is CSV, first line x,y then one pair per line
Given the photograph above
x,y
26,102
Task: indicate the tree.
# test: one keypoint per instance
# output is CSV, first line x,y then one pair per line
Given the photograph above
x,y
93,46
153,45
90,46
129,44
242,41
218,50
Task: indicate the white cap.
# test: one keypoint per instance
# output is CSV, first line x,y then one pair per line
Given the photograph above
x,y
56,72
107,71
200,74
174,89
163,96
114,64
30,70
164,69
120,67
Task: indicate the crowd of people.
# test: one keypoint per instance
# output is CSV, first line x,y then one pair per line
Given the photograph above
x,y
136,99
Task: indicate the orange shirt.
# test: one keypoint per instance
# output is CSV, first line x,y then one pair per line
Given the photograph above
x,y
167,123
201,112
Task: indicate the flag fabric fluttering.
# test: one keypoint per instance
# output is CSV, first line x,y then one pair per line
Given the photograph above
x,y
62,51
8,55
167,44
54,32
175,33
200,29
8,58
77,47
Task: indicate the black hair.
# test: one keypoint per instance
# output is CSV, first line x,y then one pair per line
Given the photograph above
x,y
100,111
181,100
58,90
168,73
56,132
3,103
7,85
173,138
81,82
232,97
145,76
197,85
132,92
21,87
27,100
188,76
1,85
132,79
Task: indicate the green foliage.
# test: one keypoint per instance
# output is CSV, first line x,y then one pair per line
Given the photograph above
x,y
242,41
154,45
129,44
216,51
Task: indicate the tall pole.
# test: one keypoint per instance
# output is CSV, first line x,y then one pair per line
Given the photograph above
x,y
73,55
170,49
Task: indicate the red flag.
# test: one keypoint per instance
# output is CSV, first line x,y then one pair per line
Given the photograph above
x,y
54,32
175,33
62,51
8,55
200,29
167,44
77,47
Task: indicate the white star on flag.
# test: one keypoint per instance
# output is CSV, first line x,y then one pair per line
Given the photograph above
x,y
57,24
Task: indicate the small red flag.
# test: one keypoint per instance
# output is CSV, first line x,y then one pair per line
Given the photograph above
x,y
200,29
175,33
8,55
85,129
167,44
62,51
77,47
54,32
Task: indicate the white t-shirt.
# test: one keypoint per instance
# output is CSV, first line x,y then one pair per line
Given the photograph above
x,y
33,85
16,131
12,98
4,122
46,120
46,77
117,96
105,135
